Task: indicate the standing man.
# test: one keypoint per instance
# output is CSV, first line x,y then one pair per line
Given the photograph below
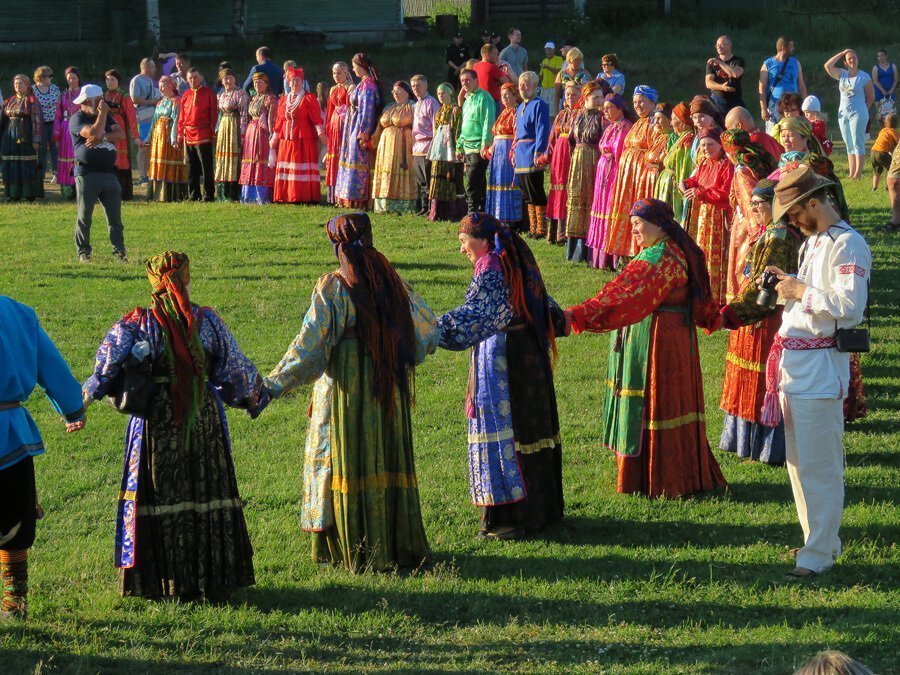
x,y
93,137
811,377
456,56
532,135
550,67
780,74
893,186
264,65
197,129
475,137
422,131
515,54
182,65
723,76
490,77
144,94
740,118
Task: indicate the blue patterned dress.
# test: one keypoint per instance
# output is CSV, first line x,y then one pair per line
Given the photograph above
x,y
504,199
353,186
180,527
515,456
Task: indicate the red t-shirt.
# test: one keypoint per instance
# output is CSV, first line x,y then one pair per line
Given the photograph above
x,y
489,75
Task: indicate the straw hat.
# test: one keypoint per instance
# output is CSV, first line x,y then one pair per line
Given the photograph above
x,y
795,186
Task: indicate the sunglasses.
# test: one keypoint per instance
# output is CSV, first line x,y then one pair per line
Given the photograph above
x,y
757,203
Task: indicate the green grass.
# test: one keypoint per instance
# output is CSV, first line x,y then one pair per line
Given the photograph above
x,y
628,585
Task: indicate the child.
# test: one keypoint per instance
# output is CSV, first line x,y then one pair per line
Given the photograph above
x,y
812,108
883,148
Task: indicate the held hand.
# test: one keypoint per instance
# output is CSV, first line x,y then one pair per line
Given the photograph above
x,y
460,156
72,427
567,330
790,288
487,153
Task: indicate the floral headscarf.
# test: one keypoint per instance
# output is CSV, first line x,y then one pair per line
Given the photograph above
x,y
741,150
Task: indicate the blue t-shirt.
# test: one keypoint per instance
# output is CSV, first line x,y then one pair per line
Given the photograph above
x,y
276,77
789,82
99,159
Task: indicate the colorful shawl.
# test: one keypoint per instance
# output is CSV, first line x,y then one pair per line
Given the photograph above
x,y
741,150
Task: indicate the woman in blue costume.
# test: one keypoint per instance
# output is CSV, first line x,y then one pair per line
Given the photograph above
x,y
28,358
180,529
509,320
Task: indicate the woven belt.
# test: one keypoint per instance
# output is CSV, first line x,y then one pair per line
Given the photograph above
x,y
10,405
802,344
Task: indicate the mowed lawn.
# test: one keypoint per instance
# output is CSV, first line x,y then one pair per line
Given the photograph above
x,y
627,585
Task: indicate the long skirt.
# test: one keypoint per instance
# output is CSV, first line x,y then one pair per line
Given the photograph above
x,y
228,158
707,224
123,163
19,164
559,176
446,191
628,183
393,183
666,191
580,196
604,187
373,492
168,173
658,427
189,535
856,405
743,393
65,164
504,199
335,132
297,172
257,177
354,179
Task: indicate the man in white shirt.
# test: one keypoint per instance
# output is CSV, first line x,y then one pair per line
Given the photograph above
x,y
809,374
422,130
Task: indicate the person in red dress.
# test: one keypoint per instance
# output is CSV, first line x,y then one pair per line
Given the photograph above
x,y
123,113
335,113
299,128
197,129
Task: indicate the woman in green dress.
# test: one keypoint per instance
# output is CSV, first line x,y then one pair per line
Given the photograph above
x,y
365,331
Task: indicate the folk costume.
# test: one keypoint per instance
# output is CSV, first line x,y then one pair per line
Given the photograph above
x,y
335,118
197,123
532,137
180,529
122,111
21,127
753,328
509,321
168,172
365,331
65,152
677,164
28,358
298,126
584,139
230,130
504,198
353,188
560,153
393,183
257,170
424,112
654,414
446,191
612,144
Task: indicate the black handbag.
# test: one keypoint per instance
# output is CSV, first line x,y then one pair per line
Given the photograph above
x,y
854,340
133,388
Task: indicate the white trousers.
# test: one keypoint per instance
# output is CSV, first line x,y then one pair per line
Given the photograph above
x,y
549,96
813,434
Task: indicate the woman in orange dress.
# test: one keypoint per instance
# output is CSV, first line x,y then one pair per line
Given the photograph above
x,y
122,110
708,215
168,172
335,114
654,412
630,180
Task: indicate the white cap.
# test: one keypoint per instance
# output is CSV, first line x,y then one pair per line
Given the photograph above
x,y
88,91
549,45
811,104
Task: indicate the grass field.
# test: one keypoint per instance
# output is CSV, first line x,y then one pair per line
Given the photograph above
x,y
628,585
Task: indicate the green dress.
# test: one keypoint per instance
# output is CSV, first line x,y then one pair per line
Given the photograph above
x,y
360,493
676,167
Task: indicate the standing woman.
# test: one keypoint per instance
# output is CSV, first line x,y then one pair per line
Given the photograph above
x,y
709,214
180,529
618,241
857,95
47,95
230,128
559,155
446,192
884,80
123,113
584,138
335,118
298,130
612,144
705,116
572,71
660,138
393,183
677,164
364,333
753,328
168,169
510,322
654,414
65,152
752,163
353,188
20,143
257,174
504,199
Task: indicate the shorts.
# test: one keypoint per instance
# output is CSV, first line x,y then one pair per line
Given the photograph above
x,y
881,162
894,169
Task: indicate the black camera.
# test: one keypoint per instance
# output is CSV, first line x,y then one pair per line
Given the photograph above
x,y
768,296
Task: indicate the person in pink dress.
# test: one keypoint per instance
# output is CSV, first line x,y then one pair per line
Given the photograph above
x,y
257,179
615,109
65,163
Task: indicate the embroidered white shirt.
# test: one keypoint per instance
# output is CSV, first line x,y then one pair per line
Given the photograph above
x,y
835,265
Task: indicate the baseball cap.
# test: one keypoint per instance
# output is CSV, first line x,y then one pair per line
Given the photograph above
x,y
812,104
88,91
549,45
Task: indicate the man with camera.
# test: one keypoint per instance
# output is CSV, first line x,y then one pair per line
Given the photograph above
x,y
808,370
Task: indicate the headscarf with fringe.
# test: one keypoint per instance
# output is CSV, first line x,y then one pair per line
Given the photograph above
x,y
383,313
170,304
527,293
741,150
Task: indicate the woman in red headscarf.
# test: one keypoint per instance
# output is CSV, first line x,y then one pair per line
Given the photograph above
x,y
708,214
180,529
299,129
677,164
654,414
365,332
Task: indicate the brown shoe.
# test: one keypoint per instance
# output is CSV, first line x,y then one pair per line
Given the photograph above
x,y
801,573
